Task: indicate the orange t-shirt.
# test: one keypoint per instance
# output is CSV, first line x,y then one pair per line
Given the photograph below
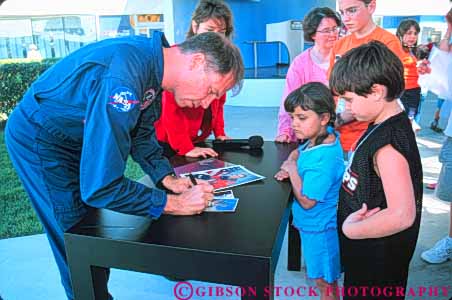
x,y
410,72
350,132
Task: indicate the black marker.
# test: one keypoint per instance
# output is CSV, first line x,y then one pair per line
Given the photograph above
x,y
192,179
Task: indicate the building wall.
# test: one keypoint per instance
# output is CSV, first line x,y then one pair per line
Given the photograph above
x,y
394,21
250,19
431,26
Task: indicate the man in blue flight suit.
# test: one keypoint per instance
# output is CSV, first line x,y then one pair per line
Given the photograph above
x,y
71,135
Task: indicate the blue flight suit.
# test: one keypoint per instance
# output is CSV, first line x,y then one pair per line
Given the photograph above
x,y
71,135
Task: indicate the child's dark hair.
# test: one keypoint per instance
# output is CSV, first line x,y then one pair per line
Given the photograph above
x,y
313,96
212,9
312,21
403,28
362,67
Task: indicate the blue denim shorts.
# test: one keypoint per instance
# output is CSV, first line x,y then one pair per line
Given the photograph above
x,y
444,187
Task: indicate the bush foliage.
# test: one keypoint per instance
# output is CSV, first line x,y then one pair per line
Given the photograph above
x,y
15,78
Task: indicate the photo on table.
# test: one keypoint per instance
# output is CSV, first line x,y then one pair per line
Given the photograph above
x,y
223,205
202,165
223,178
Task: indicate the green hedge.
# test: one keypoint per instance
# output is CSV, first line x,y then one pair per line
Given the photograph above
x,y
15,78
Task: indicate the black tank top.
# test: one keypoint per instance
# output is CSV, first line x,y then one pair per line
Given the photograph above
x,y
361,185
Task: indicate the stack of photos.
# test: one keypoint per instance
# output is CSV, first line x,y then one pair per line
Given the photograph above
x,y
223,201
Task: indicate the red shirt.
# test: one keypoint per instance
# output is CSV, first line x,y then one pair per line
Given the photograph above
x,y
181,127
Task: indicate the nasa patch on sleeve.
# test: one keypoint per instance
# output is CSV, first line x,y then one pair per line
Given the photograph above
x,y
123,99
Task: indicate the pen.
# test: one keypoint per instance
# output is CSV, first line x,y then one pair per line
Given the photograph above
x,y
193,181
192,178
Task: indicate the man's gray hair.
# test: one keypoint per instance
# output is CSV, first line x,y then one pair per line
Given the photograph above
x,y
221,54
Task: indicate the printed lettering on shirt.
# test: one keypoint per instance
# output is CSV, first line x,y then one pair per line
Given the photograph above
x,y
350,181
149,97
122,99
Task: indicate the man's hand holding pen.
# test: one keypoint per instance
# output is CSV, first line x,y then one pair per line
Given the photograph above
x,y
194,199
195,182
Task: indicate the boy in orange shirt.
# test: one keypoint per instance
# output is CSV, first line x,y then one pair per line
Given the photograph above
x,y
357,17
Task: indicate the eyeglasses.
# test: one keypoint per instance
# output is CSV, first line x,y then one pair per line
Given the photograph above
x,y
334,29
351,11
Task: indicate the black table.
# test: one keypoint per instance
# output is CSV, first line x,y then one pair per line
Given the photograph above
x,y
240,248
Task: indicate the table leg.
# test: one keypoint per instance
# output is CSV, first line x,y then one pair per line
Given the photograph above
x,y
100,282
262,290
82,283
293,248
89,282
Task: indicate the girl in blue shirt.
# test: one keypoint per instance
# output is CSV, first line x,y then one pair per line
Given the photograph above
x,y
315,171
